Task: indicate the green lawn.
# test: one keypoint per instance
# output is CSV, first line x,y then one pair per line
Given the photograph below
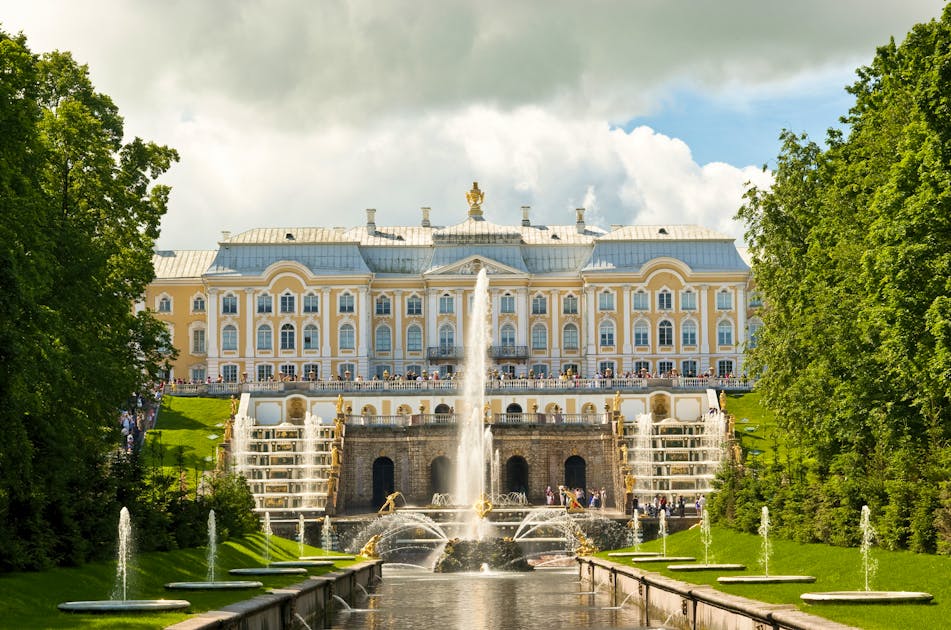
x,y
755,426
197,425
836,568
30,599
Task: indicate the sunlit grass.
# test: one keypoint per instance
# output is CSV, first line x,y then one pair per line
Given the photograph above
x,y
194,425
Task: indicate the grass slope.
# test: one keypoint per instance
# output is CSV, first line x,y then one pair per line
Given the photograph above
x,y
835,569
29,600
194,424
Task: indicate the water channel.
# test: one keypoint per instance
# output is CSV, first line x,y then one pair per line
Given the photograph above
x,y
412,598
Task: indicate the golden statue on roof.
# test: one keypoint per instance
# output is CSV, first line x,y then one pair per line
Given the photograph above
x,y
475,197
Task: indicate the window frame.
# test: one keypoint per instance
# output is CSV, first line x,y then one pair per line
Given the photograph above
x,y
268,346
264,304
288,334
347,333
345,302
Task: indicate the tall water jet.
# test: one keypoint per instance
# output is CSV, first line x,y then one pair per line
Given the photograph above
x,y
706,537
327,538
869,565
123,556
766,548
212,553
310,460
662,525
636,533
643,455
267,538
471,456
301,528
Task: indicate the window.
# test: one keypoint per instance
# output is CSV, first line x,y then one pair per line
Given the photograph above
x,y
640,301
665,301
447,337
724,300
383,339
414,339
311,337
507,335
688,334
346,371
346,303
287,337
570,368
288,370
725,333
229,338
540,370
756,299
606,333
265,338
688,301
724,368
665,367
198,341
641,334
447,304
606,301
383,305
755,327
665,333
347,341
265,303
311,371
414,305
688,368
165,304
414,369
539,337
198,306
382,371
507,303
229,305
265,372
569,337
606,368
569,306
642,367
288,303
311,303
199,373
539,305
229,373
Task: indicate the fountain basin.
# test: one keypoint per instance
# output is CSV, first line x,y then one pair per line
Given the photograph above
x,y
225,585
269,571
107,606
867,597
302,563
664,559
766,579
329,558
707,567
633,554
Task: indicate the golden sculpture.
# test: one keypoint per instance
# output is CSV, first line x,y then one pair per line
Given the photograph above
x,y
620,425
234,405
338,428
623,450
629,481
475,197
586,546
483,506
486,411
390,505
339,404
334,458
617,402
722,401
229,429
571,503
369,549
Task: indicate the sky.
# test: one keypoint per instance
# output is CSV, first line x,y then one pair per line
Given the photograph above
x,y
298,113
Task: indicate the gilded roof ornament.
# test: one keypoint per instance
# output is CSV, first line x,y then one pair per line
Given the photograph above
x,y
475,198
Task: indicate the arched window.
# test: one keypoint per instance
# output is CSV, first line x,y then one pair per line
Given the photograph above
x,y
229,338
198,304
725,333
507,303
641,334
606,300
287,337
165,304
507,335
606,333
640,302
347,337
288,303
383,339
414,339
570,305
383,305
665,300
724,300
447,337
311,337
265,303
265,338
539,305
311,303
345,302
569,337
688,333
665,333
414,305
539,337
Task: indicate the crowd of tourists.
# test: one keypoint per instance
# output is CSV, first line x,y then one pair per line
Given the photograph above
x,y
138,417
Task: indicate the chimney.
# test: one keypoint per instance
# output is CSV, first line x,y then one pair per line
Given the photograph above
x,y
371,221
525,221
425,210
579,222
225,235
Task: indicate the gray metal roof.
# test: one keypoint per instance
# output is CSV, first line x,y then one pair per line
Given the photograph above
x,y
190,263
321,259
698,255
510,255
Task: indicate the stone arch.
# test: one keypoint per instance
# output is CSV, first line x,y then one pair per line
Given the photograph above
x,y
440,475
368,410
576,472
383,480
513,408
404,410
442,408
516,474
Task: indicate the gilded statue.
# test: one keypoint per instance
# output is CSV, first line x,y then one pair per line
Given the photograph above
x,y
620,425
617,402
623,453
586,546
369,549
629,482
483,506
338,428
234,406
339,404
389,506
475,196
334,458
722,401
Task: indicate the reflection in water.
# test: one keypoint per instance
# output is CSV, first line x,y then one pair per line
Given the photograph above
x,y
415,599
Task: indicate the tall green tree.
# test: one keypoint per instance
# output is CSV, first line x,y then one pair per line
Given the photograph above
x,y
79,215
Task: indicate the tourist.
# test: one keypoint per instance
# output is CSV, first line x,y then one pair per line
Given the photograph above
x,y
549,496
604,497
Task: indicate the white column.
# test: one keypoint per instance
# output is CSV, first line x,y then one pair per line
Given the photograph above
x,y
398,325
325,324
626,318
704,328
432,312
555,325
740,326
249,336
460,317
364,333
591,345
521,312
496,305
212,340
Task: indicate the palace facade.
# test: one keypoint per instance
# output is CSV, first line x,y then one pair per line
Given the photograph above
x,y
372,301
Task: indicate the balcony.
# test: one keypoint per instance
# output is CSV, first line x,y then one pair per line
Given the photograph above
x,y
445,353
509,352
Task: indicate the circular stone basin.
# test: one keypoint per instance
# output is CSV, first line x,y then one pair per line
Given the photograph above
x,y
302,563
106,606
330,558
664,559
633,554
867,597
707,567
268,571
225,585
766,579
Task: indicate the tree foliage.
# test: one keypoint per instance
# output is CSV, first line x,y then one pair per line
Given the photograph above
x,y
79,214
851,250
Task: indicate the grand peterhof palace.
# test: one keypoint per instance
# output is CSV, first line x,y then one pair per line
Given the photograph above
x,y
341,346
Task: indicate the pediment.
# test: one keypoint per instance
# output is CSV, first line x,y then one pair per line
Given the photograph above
x,y
470,266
